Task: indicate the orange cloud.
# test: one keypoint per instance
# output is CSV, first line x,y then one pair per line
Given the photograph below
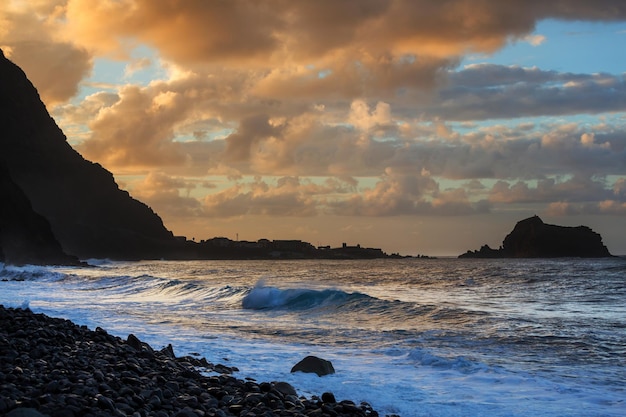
x,y
30,37
136,131
349,49
162,192
323,88
279,31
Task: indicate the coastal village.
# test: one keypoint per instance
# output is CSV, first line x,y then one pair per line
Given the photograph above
x,y
225,248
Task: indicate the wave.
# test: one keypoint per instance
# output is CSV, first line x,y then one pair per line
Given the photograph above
x,y
270,298
29,273
195,289
149,287
463,364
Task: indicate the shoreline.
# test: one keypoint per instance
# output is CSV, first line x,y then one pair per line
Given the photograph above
x,y
54,367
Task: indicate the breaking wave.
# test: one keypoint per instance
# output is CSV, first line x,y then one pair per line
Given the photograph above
x,y
269,298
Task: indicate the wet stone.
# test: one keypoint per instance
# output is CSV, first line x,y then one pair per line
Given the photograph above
x,y
328,397
78,372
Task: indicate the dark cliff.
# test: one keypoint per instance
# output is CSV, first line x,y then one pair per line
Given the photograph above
x,y
25,236
532,238
89,215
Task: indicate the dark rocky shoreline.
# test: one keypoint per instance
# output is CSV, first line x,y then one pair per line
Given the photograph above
x,y
53,367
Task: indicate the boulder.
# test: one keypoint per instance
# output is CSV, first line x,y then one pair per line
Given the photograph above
x,y
313,364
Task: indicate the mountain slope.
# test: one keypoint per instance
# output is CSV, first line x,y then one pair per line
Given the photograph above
x,y
90,216
25,236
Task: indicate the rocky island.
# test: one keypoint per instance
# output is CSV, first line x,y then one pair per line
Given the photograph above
x,y
532,238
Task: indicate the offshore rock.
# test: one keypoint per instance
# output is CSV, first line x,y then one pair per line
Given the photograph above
x,y
89,215
313,364
532,238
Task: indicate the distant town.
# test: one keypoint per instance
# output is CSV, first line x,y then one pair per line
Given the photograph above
x,y
225,248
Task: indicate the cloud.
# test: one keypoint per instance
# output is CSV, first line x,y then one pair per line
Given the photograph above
x,y
74,118
610,207
162,192
535,40
196,124
489,91
576,189
29,38
252,130
136,66
289,197
208,30
398,194
355,48
356,107
301,31
137,131
361,117
352,48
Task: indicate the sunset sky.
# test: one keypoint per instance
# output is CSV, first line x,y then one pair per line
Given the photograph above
x,y
418,126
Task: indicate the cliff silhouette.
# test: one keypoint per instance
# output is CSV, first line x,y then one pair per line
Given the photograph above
x,y
87,212
26,236
51,191
532,238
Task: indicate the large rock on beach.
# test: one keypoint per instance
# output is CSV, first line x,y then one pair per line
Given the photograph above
x,y
313,364
53,367
532,238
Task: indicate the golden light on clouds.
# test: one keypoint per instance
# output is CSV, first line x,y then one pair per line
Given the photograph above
x,y
337,112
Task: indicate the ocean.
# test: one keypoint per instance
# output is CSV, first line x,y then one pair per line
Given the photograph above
x,y
413,337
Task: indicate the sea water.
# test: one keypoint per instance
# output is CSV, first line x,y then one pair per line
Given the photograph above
x,y
414,337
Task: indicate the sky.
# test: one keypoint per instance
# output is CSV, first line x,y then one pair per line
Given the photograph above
x,y
415,126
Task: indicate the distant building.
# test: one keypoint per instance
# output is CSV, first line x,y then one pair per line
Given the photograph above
x,y
264,243
248,245
219,242
358,252
292,245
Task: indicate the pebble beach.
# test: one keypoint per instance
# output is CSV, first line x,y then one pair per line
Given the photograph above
x,y
53,367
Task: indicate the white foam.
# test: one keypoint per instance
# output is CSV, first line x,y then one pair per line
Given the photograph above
x,y
409,379
395,385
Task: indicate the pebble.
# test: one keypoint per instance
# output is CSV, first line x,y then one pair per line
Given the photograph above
x,y
52,367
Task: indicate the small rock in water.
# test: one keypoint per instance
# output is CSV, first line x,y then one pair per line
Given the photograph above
x,y
313,364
